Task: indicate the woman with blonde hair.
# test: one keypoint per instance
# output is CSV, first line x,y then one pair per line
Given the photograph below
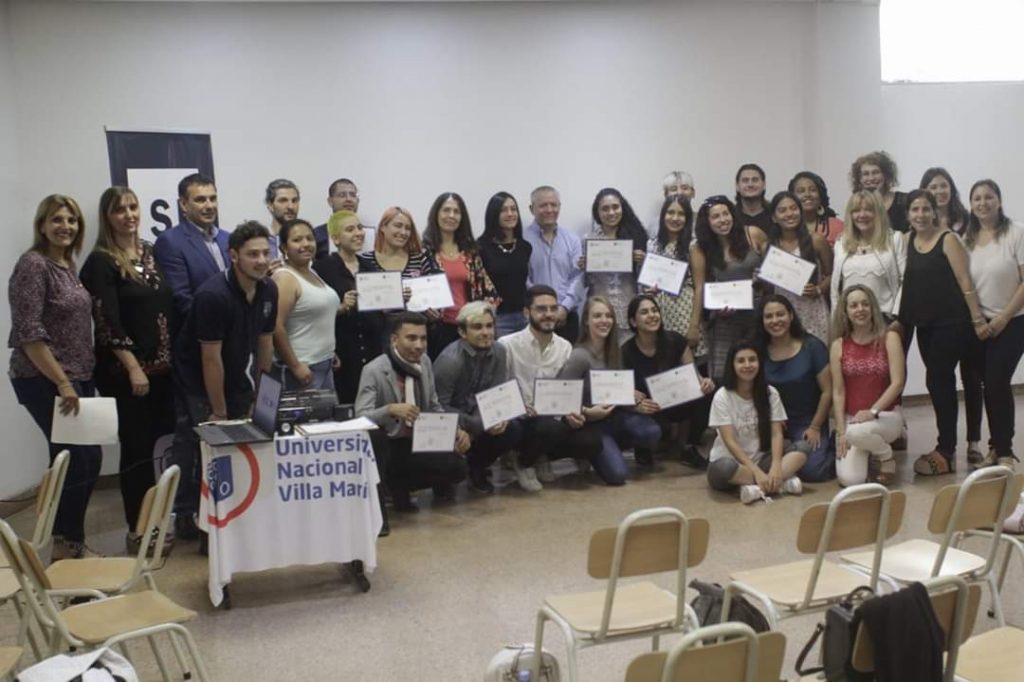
x,y
52,353
621,427
870,253
134,314
357,335
868,373
397,247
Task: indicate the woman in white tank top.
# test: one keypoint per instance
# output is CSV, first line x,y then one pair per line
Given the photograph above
x,y
306,308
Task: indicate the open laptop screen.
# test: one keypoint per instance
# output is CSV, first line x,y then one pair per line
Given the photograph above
x,y
268,398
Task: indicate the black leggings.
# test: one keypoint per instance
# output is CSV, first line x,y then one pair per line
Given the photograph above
x,y
942,346
987,372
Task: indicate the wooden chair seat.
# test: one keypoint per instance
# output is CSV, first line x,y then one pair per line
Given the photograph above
x,y
638,606
720,661
993,656
106,574
912,561
9,657
8,584
786,584
98,621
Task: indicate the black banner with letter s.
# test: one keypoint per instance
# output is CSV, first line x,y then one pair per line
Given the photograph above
x,y
152,163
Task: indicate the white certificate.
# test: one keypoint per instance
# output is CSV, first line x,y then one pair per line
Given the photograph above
x,y
612,387
429,291
609,255
501,403
738,295
665,273
95,424
786,270
434,432
675,387
557,397
379,291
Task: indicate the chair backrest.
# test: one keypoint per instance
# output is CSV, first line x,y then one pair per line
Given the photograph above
x,y
34,583
743,656
983,500
859,515
647,541
955,604
48,498
155,517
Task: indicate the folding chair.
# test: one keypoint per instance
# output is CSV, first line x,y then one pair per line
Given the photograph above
x,y
117,575
665,541
47,500
107,622
955,604
743,656
982,500
1011,541
9,657
866,514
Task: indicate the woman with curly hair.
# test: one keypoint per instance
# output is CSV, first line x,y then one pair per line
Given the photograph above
x,y
811,192
448,237
877,171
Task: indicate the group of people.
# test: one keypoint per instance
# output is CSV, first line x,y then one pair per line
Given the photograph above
x,y
801,387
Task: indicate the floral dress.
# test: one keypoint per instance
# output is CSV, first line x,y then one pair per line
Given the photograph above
x,y
677,311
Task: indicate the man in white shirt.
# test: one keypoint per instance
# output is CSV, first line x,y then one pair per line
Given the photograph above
x,y
536,352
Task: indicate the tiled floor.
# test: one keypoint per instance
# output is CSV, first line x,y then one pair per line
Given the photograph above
x,y
457,582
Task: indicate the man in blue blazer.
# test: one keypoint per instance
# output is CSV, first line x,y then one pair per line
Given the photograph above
x,y
196,249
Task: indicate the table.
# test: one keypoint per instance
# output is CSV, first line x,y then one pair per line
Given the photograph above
x,y
296,500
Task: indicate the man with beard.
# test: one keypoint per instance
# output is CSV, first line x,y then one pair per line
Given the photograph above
x,y
195,249
750,191
536,352
467,366
230,323
342,195
282,199
394,389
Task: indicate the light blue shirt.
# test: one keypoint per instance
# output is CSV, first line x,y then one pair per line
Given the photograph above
x,y
210,238
556,264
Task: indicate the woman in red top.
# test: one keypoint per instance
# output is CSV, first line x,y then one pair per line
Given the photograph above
x,y
868,373
449,238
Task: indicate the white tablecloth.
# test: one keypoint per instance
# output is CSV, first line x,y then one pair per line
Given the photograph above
x,y
296,500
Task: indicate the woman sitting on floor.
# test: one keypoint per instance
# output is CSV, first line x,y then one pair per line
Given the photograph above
x,y
749,451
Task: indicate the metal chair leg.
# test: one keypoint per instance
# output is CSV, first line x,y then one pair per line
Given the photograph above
x,y
159,659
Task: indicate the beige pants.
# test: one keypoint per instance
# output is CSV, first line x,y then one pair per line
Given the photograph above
x,y
865,440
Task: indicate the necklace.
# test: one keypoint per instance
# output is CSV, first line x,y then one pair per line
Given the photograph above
x,y
507,248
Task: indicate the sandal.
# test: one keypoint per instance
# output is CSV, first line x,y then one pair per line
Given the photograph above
x,y
934,464
883,472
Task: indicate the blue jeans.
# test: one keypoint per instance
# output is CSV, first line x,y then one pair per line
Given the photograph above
x,y
508,323
821,462
623,430
37,394
323,376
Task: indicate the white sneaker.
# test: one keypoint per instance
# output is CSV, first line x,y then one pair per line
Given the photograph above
x,y
793,486
544,472
527,479
751,493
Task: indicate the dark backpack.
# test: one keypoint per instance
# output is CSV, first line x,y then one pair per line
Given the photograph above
x,y
708,605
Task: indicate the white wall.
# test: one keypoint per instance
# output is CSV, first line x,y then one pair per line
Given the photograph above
x,y
415,99
23,454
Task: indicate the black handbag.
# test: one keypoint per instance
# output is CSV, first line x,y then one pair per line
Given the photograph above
x,y
840,628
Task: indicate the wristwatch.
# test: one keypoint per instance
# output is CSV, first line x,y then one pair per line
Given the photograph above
x,y
874,412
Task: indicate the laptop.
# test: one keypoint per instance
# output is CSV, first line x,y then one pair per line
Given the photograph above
x,y
259,429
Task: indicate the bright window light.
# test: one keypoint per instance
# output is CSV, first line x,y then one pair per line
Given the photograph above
x,y
944,41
